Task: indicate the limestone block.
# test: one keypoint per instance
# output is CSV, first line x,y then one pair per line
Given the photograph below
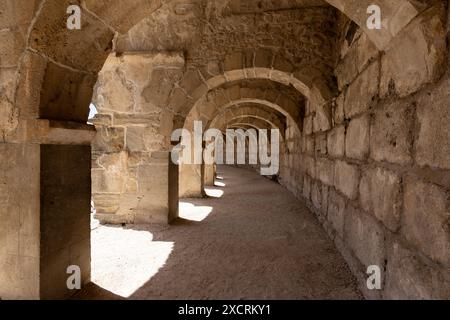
x,y
391,135
325,195
106,203
409,278
153,187
380,194
339,113
310,166
160,86
109,139
325,171
336,142
321,144
433,142
114,93
425,220
347,69
336,212
316,195
322,118
363,92
415,56
346,179
65,94
308,125
364,237
357,138
307,187
86,49
19,213
13,44
122,14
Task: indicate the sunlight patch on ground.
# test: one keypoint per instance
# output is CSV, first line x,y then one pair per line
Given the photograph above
x,y
132,259
191,212
214,193
219,184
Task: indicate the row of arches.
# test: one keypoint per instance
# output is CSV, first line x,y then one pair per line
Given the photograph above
x,y
54,73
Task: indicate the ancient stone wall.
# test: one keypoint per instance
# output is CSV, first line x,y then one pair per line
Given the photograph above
x,y
379,178
130,170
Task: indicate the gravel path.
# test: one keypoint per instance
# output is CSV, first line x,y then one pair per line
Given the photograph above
x,y
257,241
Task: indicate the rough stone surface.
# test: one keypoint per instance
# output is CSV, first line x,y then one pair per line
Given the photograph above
x,y
433,116
408,278
380,194
363,92
364,237
346,179
425,222
357,138
311,67
391,134
336,142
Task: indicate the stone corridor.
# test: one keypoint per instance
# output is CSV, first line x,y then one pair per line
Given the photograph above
x,y
256,241
357,91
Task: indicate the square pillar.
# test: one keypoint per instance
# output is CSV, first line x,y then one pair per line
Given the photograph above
x,y
45,212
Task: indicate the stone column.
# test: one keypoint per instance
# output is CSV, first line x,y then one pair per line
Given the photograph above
x,y
45,193
209,175
133,177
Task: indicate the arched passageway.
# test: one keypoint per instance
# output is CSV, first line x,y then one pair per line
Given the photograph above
x,y
250,243
363,114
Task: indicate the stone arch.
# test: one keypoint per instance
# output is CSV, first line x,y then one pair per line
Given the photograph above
x,y
277,99
245,112
197,83
192,176
56,72
256,123
396,15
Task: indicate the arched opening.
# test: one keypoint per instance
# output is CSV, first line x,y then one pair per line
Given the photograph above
x,y
363,115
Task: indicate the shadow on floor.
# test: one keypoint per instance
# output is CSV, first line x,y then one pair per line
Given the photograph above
x,y
257,242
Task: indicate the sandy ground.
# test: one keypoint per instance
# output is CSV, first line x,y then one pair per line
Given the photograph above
x,y
250,240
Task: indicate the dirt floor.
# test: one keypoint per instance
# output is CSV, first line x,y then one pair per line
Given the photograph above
x,y
250,240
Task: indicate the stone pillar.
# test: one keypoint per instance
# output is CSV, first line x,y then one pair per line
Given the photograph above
x,y
209,175
19,216
65,182
133,177
45,210
191,181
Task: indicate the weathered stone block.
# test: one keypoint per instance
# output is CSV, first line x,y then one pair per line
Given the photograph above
x,y
109,139
321,144
425,219
325,171
364,237
346,179
316,195
380,194
308,125
336,142
357,138
415,57
363,92
409,278
322,119
336,212
391,134
306,187
433,142
310,166
339,113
